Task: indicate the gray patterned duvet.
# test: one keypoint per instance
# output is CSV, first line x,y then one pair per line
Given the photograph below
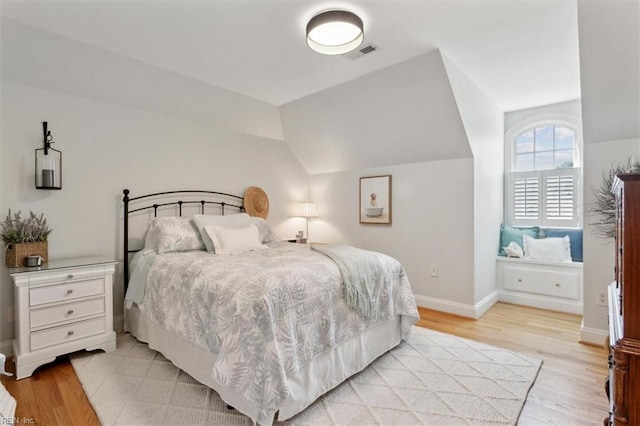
x,y
265,313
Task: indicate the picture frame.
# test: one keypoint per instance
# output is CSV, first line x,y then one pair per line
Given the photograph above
x,y
375,200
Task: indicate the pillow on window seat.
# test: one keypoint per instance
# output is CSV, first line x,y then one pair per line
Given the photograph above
x,y
551,249
575,238
509,234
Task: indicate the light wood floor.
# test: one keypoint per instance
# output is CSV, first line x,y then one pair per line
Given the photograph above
x,y
569,389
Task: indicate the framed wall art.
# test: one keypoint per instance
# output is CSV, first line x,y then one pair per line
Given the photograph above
x,y
375,199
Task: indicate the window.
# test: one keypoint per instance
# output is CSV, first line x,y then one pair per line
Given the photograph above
x,y
543,176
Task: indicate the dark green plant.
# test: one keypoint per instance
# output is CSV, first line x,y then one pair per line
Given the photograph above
x,y
604,200
16,230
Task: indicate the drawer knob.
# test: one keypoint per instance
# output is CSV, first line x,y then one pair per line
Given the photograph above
x,y
519,280
70,276
557,284
70,291
70,333
70,311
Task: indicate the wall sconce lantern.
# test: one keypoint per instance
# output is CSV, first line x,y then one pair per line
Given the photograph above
x,y
48,163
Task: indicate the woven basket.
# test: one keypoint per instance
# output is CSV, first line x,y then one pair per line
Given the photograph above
x,y
16,254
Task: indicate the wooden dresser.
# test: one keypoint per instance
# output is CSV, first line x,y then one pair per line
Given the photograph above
x,y
624,305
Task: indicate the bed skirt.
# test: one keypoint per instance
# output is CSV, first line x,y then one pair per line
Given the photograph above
x,y
321,374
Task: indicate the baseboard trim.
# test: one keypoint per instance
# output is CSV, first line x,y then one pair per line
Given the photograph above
x,y
118,324
540,303
7,348
592,336
456,308
485,304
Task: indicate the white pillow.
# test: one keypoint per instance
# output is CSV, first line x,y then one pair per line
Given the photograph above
x,y
552,249
234,240
238,220
514,250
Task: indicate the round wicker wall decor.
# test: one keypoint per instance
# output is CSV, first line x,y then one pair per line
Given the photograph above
x,y
256,202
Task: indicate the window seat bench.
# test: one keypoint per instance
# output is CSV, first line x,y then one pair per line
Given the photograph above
x,y
541,284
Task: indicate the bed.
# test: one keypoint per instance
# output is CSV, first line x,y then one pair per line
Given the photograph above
x,y
270,328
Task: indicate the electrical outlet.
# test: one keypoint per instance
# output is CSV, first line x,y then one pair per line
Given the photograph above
x,y
434,270
601,298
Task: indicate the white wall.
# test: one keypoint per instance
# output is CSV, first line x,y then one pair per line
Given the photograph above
x,y
432,224
483,123
107,148
401,114
609,34
41,59
599,253
569,108
609,66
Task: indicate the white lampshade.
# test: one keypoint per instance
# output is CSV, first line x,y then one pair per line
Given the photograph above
x,y
335,32
307,209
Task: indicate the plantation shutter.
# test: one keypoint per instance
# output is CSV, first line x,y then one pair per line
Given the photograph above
x,y
526,198
545,198
560,197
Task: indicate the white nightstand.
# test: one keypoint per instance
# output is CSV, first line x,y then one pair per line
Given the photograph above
x,y
62,306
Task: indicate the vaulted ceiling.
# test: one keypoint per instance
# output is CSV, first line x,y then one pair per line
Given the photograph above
x,y
521,53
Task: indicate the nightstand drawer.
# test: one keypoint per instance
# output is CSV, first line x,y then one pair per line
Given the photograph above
x,y
65,276
67,333
65,313
62,292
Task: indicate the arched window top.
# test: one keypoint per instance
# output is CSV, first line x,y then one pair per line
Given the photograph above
x,y
544,147
544,142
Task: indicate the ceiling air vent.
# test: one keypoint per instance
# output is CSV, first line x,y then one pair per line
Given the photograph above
x,y
361,52
367,49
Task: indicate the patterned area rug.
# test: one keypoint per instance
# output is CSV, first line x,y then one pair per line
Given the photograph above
x,y
433,379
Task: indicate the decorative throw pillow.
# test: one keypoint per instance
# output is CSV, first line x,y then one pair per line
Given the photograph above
x,y
575,239
551,249
175,233
237,220
266,234
509,234
234,240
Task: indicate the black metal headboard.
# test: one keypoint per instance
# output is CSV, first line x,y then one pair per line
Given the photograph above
x,y
220,199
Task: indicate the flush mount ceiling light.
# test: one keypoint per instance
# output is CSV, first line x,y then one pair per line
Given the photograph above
x,y
335,32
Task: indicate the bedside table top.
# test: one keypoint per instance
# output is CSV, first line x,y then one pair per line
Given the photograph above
x,y
71,262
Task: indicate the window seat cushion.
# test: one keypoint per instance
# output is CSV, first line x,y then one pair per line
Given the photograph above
x,y
524,261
